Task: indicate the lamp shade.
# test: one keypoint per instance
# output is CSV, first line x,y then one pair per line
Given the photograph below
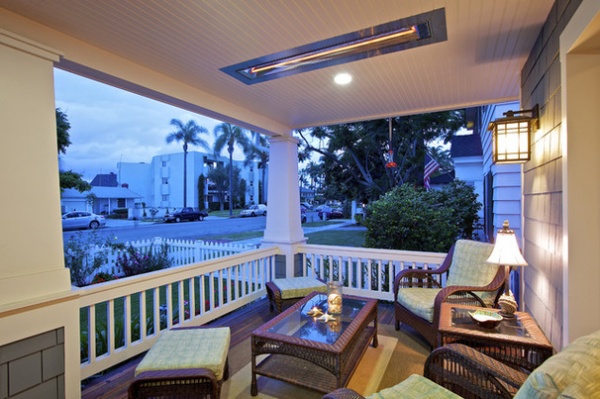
x,y
506,251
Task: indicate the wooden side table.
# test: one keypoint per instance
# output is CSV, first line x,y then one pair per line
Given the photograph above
x,y
518,342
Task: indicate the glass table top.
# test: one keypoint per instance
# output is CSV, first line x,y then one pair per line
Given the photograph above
x,y
512,327
299,324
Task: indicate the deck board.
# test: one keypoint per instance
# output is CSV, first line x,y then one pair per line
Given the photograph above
x,y
114,383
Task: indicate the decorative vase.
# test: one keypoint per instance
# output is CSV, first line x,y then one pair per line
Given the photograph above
x,y
334,297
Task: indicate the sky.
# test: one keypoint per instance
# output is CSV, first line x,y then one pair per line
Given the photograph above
x,y
109,125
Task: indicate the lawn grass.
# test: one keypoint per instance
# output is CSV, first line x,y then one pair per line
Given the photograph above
x,y
224,214
342,237
246,235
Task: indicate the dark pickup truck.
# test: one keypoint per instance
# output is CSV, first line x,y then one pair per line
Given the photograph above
x,y
185,214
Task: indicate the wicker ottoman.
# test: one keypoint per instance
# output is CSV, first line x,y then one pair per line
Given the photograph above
x,y
190,362
291,289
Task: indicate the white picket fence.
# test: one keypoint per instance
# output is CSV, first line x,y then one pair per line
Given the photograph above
x,y
180,252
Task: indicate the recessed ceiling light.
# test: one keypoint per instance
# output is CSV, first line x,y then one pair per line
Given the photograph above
x,y
342,78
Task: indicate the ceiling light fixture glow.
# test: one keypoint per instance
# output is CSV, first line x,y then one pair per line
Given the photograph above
x,y
418,30
405,34
342,78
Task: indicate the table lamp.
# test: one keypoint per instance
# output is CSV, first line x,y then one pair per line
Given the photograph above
x,y
506,253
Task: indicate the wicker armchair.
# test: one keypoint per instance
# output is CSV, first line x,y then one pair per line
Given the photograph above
x,y
456,369
574,372
472,374
418,294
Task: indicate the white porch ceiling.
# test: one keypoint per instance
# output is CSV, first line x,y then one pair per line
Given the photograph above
x,y
480,63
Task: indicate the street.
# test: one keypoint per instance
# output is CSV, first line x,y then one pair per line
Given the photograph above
x,y
126,231
212,226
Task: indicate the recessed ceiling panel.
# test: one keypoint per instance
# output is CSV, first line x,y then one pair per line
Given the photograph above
x,y
402,34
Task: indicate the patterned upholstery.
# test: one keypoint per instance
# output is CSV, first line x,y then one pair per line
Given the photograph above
x,y
572,373
189,348
419,301
414,387
469,267
299,287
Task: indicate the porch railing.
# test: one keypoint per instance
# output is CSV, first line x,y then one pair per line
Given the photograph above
x,y
180,252
365,272
123,318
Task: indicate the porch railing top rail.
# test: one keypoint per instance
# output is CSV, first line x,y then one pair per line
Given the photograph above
x,y
373,253
95,293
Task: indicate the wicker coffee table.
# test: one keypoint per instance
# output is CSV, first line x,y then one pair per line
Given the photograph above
x,y
518,342
314,354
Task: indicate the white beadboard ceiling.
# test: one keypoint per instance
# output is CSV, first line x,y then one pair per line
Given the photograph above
x,y
480,63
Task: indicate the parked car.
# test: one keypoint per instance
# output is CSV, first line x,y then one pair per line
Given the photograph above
x,y
327,213
188,214
306,206
82,220
254,210
320,208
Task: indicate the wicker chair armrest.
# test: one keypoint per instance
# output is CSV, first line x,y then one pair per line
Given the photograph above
x,y
408,274
343,393
467,291
465,368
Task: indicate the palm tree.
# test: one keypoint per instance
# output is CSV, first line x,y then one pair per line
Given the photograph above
x,y
258,150
226,133
187,133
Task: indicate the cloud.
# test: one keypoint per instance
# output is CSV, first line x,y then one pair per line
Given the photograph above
x,y
109,125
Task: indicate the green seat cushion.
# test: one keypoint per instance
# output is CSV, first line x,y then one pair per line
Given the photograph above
x,y
419,301
187,349
574,372
298,287
414,387
469,267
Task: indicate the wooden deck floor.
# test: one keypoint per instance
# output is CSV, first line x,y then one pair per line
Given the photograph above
x,y
113,384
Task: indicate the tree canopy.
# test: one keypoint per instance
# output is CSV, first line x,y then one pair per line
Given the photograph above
x,y
68,179
354,155
219,177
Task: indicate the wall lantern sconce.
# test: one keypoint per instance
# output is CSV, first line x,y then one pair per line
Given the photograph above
x,y
511,135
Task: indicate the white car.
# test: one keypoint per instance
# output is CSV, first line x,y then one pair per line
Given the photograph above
x,y
82,220
254,210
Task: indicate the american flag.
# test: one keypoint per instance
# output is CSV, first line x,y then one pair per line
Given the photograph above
x,y
430,167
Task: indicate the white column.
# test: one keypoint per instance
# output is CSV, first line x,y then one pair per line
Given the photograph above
x,y
35,289
284,227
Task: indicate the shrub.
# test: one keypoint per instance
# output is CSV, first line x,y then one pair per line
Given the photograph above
x,y
409,218
84,254
120,213
358,218
102,277
134,261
